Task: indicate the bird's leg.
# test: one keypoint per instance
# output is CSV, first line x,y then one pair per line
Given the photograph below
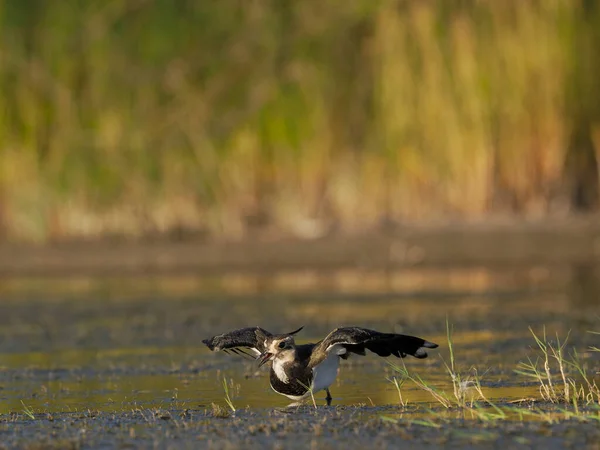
x,y
328,398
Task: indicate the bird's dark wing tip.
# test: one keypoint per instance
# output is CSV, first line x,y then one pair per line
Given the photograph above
x,y
422,350
428,344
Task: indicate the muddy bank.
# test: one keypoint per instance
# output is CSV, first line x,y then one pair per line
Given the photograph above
x,y
347,427
560,242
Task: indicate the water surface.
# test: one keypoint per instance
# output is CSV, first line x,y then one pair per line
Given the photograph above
x,y
133,344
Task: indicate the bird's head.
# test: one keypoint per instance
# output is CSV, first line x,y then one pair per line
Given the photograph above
x,y
278,346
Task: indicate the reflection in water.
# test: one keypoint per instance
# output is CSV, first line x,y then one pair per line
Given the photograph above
x,y
441,281
122,344
78,381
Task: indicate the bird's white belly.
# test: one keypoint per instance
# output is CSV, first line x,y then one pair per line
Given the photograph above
x,y
325,373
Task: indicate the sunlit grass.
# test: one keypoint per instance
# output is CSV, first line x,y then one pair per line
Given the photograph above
x,y
228,399
563,382
465,388
310,392
28,411
561,378
398,385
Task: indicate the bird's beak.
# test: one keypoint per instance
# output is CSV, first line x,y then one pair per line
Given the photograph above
x,y
264,358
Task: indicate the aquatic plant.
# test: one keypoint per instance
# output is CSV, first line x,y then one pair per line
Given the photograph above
x,y
562,379
398,385
28,411
227,396
463,386
574,384
310,391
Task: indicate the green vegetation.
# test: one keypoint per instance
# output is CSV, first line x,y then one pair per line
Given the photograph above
x,y
570,390
227,396
28,411
466,389
311,393
137,117
563,381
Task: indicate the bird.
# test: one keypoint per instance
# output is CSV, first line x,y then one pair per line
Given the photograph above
x,y
299,371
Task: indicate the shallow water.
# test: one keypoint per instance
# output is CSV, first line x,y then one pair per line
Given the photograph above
x,y
122,345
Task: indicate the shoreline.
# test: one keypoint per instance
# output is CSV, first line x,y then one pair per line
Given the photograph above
x,y
570,242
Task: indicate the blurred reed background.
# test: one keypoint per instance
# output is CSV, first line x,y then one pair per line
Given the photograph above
x,y
217,118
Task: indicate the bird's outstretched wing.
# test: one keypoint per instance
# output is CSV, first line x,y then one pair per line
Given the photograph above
x,y
244,341
346,340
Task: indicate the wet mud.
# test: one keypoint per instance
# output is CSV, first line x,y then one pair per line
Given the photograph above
x,y
118,363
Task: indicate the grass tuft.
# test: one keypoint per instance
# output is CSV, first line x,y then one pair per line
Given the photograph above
x,y
563,380
219,412
464,387
28,411
227,396
398,385
310,391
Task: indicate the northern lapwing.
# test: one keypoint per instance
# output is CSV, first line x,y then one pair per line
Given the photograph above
x,y
298,370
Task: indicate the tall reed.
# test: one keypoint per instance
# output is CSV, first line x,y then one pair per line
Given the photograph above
x,y
146,116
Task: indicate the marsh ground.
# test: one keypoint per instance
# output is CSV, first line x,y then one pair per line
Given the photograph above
x,y
118,362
